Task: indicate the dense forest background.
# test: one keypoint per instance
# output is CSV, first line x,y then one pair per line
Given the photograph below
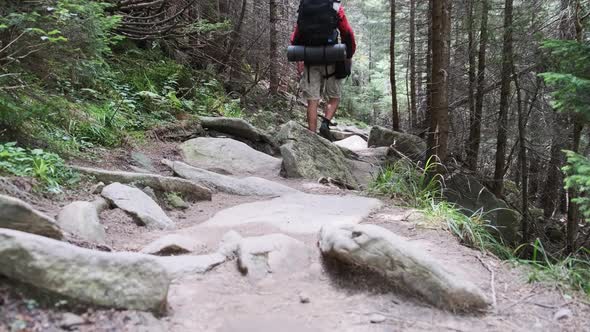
x,y
499,88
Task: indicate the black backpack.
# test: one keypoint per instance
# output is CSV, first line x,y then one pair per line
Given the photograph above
x,y
318,22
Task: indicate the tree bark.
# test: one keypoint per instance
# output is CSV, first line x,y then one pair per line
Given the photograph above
x,y
522,157
413,110
274,66
428,114
475,123
235,37
507,63
439,125
550,193
394,109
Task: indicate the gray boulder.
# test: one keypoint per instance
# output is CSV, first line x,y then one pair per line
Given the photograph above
x,y
274,253
142,161
470,194
18,215
185,266
81,219
340,135
172,244
353,143
139,205
189,190
403,263
250,186
410,145
353,130
365,164
113,280
241,130
231,156
307,155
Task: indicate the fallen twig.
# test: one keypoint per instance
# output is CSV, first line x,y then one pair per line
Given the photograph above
x,y
492,280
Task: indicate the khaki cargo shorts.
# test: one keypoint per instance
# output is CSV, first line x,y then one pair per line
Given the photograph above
x,y
314,83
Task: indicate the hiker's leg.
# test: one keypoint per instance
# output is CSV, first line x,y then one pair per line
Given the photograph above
x,y
332,107
312,114
333,91
311,85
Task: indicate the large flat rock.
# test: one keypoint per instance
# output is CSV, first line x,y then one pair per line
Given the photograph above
x,y
403,263
113,280
273,253
189,265
249,186
298,213
18,215
139,205
231,156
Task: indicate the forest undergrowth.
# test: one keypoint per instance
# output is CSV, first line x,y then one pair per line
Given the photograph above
x,y
416,187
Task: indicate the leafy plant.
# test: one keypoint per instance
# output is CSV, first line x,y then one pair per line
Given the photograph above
x,y
404,181
47,167
578,178
570,272
419,189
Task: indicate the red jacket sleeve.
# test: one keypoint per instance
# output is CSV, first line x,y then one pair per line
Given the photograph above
x,y
295,35
346,33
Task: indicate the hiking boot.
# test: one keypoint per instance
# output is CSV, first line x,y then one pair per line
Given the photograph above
x,y
325,130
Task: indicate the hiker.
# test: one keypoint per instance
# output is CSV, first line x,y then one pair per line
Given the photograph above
x,y
318,24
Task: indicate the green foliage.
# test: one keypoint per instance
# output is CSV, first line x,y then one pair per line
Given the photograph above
x,y
571,80
578,178
473,230
404,181
570,272
570,76
47,167
419,189
204,27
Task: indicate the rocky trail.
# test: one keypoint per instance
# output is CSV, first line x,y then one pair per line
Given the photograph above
x,y
234,232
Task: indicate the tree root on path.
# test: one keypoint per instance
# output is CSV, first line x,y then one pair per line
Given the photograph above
x,y
492,280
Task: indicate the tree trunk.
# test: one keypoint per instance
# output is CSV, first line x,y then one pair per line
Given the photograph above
x,y
475,125
507,64
235,36
413,111
428,114
439,125
274,65
394,109
550,193
522,157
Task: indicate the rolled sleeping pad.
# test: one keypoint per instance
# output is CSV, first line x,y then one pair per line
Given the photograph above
x,y
317,54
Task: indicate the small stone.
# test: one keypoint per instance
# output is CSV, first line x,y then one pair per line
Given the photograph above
x,y
70,320
97,188
377,319
563,313
304,298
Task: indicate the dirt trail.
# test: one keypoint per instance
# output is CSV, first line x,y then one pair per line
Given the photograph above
x,y
225,300
337,298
